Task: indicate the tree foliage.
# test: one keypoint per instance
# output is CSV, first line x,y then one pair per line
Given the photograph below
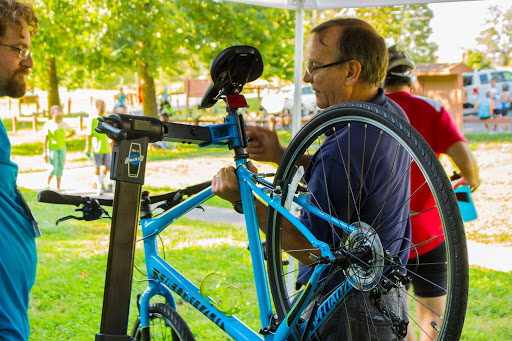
x,y
215,25
144,37
65,44
497,35
477,60
408,26
93,41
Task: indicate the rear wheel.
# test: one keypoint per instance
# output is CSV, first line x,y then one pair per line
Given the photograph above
x,y
375,148
165,324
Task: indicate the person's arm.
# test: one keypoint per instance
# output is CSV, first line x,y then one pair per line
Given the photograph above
x,y
464,160
88,137
45,146
70,132
266,147
225,186
88,140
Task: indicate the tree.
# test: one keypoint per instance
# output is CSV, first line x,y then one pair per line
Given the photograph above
x,y
408,26
476,59
213,26
497,36
65,44
144,36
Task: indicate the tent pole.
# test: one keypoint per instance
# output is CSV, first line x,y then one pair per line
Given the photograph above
x,y
299,47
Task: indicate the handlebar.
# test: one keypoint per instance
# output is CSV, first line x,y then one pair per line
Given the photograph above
x,y
92,207
128,127
51,197
111,131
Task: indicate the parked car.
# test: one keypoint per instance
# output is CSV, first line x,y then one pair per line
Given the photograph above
x,y
477,83
282,100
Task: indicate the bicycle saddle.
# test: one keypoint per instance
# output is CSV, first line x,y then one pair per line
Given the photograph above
x,y
230,70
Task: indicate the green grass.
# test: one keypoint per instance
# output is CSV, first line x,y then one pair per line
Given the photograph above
x,y
186,150
485,137
76,144
66,300
489,314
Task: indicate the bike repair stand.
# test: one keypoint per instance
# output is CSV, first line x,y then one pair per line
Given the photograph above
x,y
128,169
131,135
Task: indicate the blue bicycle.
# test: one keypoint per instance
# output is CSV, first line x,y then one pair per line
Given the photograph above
x,y
356,269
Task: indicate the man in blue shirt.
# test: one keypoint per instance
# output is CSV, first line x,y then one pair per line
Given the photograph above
x,y
347,61
18,230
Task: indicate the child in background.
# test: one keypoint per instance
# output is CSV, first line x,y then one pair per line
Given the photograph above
x,y
485,108
54,146
100,146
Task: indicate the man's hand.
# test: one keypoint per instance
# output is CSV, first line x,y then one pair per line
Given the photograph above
x,y
225,183
265,145
464,181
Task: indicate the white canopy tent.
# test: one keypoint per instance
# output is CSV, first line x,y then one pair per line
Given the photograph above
x,y
303,5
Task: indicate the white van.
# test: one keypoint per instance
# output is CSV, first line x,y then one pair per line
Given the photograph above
x,y
283,100
477,83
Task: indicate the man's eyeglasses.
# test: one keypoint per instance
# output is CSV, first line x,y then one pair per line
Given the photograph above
x,y
310,70
23,53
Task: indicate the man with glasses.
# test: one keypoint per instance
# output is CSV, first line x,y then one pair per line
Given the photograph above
x,y
347,61
18,258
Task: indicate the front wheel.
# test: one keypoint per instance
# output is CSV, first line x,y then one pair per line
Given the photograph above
x,y
165,324
363,165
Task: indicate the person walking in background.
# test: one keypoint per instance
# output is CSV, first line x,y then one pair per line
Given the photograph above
x,y
497,96
121,101
438,128
506,104
100,147
485,108
18,228
54,146
165,104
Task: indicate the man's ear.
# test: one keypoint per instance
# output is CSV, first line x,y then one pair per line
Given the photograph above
x,y
353,72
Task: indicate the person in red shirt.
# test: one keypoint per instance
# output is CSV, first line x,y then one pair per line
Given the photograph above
x,y
436,125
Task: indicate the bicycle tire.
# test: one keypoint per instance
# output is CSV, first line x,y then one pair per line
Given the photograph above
x,y
165,324
389,124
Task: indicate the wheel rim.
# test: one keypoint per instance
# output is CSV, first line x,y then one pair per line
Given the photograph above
x,y
284,297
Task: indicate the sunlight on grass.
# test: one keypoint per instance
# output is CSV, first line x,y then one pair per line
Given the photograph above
x,y
486,137
66,300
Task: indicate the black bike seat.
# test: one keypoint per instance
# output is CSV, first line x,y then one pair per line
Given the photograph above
x,y
230,71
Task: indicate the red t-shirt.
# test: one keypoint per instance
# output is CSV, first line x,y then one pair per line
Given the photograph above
x,y
438,128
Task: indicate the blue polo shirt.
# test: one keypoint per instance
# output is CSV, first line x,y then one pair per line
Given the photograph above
x,y
379,178
18,258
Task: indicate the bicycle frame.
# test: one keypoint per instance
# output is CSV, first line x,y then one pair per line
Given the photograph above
x,y
163,278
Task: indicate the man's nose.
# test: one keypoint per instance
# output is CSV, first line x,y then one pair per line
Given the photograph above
x,y
28,63
307,78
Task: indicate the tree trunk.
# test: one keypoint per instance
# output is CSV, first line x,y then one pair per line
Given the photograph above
x,y
149,105
53,84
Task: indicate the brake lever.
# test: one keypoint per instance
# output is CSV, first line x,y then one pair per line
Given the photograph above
x,y
91,210
67,218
